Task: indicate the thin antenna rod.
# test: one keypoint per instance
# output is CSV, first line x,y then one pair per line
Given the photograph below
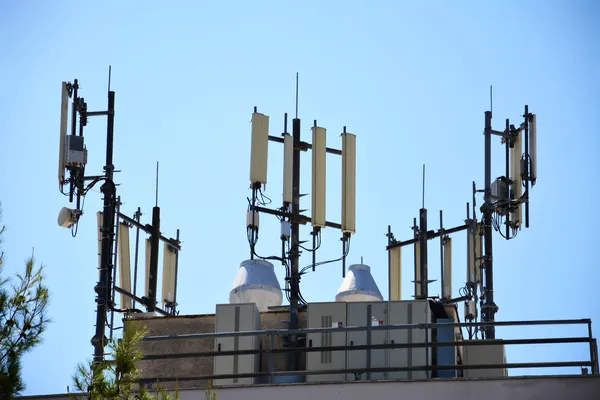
x,y
423,198
296,95
156,205
491,100
109,74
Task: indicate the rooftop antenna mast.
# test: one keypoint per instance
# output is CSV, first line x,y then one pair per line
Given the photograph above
x,y
290,214
112,224
503,201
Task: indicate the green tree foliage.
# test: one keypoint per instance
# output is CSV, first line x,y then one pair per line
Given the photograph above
x,y
23,319
116,379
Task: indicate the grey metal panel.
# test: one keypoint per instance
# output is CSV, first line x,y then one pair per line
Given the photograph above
x,y
446,355
237,318
367,314
409,312
324,315
478,355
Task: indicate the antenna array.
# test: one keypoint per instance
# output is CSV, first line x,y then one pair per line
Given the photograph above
x,y
504,201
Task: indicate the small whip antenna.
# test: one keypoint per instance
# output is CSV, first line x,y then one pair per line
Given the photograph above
x,y
157,184
296,95
423,197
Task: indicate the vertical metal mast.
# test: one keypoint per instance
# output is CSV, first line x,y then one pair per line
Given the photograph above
x,y
295,248
108,221
489,308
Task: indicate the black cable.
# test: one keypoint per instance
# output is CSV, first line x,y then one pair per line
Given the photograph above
x,y
308,267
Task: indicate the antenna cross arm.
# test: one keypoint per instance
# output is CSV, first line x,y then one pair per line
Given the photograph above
x,y
303,146
148,229
439,233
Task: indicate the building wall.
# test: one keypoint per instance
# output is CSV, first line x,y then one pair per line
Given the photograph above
x,y
547,388
201,366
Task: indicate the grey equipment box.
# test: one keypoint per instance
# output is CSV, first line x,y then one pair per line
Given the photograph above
x,y
481,355
237,318
366,314
326,315
409,312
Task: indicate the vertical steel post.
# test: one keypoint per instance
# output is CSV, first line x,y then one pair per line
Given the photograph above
x,y
136,216
154,243
174,309
507,147
527,174
442,255
489,308
423,244
295,249
104,284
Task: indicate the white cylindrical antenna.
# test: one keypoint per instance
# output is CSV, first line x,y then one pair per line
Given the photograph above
x,y
64,122
395,273
348,182
417,270
447,290
515,174
168,279
147,275
99,225
124,264
478,253
288,167
319,168
259,148
533,149
471,245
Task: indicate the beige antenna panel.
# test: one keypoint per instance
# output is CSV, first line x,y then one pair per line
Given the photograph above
x,y
168,280
474,255
515,174
64,123
395,274
348,182
288,168
259,148
147,260
417,270
533,148
447,289
123,251
319,156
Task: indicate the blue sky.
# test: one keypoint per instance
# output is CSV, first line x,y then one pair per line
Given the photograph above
x,y
410,79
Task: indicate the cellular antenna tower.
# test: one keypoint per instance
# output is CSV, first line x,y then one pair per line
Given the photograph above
x,y
290,213
113,226
503,202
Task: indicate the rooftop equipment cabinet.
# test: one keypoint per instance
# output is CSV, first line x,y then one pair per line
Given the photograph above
x,y
409,312
446,355
326,315
481,355
237,318
367,314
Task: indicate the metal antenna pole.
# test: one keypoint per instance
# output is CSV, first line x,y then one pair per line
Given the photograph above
x,y
104,285
136,216
423,244
154,243
489,308
296,95
295,249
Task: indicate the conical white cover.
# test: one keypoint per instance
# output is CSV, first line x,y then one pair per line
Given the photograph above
x,y
359,285
257,283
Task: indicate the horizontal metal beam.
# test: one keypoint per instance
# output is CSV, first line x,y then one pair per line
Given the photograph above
x,y
139,300
302,219
368,347
148,230
360,371
305,146
95,113
437,234
363,328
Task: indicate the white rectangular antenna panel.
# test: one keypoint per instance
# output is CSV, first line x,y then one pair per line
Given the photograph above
x,y
288,168
533,148
147,275
64,124
417,270
99,219
395,272
123,252
515,174
447,289
168,280
473,255
259,148
348,182
319,157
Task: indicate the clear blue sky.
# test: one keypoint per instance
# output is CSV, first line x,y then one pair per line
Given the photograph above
x,y
411,80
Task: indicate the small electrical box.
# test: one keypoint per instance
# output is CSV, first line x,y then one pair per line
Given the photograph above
x,y
470,312
252,220
499,190
75,152
286,229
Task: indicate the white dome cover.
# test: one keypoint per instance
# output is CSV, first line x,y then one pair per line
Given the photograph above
x,y
257,283
359,285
